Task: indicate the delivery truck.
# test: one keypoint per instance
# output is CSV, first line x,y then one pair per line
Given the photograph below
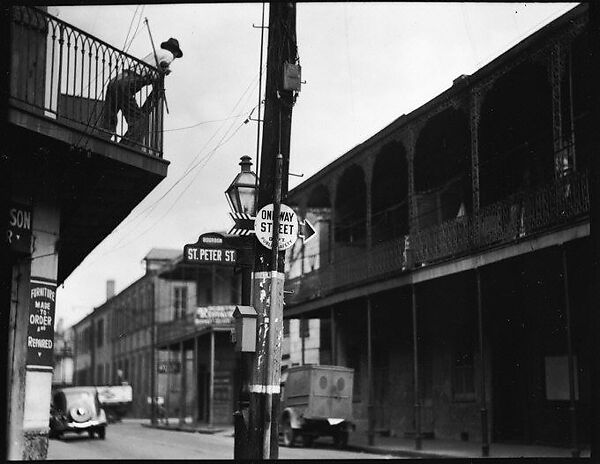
x,y
316,400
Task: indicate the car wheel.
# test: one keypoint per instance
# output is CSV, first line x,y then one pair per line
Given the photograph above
x,y
289,434
102,433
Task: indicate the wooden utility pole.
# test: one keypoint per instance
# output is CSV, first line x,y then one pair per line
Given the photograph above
x,y
264,388
594,189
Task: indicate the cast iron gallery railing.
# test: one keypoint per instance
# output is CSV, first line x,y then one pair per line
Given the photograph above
x,y
61,72
519,216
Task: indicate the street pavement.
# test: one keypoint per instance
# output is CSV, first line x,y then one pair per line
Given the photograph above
x,y
129,440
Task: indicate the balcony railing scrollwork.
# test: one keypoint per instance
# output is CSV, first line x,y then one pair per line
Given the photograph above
x,y
520,216
60,72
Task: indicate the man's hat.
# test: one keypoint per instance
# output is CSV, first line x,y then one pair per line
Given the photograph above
x,y
173,46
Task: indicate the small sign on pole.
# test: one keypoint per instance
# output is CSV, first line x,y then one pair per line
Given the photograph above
x,y
288,227
210,249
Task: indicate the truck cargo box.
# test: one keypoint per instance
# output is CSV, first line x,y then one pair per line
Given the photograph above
x,y
319,392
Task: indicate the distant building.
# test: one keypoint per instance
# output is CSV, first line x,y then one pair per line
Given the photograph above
x,y
63,356
190,308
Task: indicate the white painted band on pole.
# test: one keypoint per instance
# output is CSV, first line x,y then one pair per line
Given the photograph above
x,y
268,389
268,274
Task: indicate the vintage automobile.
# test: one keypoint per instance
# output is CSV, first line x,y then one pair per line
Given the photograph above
x,y
77,409
116,400
316,400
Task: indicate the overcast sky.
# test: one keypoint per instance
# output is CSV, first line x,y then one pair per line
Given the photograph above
x,y
364,65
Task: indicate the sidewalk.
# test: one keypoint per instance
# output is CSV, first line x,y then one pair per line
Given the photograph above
x,y
405,447
437,448
173,424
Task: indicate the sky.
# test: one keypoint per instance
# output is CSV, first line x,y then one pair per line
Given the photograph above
x,y
364,64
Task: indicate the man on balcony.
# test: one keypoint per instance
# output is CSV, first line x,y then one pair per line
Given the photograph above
x,y
121,90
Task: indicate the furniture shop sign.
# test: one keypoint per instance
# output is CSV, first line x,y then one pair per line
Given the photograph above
x,y
210,249
40,327
288,227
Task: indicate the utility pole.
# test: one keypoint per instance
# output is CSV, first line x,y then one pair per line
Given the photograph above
x,y
268,278
594,189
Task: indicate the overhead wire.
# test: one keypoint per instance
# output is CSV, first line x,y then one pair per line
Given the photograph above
x,y
130,26
137,27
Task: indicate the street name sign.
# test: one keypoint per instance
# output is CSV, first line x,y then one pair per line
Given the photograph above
x,y
288,227
210,249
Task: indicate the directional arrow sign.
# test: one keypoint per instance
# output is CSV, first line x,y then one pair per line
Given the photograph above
x,y
244,224
306,230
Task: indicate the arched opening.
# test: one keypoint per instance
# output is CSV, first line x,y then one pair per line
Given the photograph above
x,y
442,168
389,194
516,150
351,210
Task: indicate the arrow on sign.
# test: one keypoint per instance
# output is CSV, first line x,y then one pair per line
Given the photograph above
x,y
244,224
306,230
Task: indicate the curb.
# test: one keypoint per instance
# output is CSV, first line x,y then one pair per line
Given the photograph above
x,y
403,452
177,428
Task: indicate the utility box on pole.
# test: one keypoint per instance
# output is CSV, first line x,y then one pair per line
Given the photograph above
x,y
245,329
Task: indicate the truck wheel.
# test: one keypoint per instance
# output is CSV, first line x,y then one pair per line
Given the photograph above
x,y
102,433
91,433
289,434
340,439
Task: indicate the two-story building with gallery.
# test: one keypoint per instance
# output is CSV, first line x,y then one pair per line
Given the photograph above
x,y
66,181
168,335
453,265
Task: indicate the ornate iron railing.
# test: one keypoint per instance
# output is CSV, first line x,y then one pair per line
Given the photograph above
x,y
520,216
350,267
61,72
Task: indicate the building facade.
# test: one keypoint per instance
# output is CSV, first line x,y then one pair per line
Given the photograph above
x,y
65,183
189,310
63,356
449,245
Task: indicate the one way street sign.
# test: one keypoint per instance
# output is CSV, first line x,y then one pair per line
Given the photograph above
x,y
244,224
306,230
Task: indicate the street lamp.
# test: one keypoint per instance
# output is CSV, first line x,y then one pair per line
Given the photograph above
x,y
242,195
242,192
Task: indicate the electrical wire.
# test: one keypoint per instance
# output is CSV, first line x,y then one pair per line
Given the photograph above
x,y
137,27
130,26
